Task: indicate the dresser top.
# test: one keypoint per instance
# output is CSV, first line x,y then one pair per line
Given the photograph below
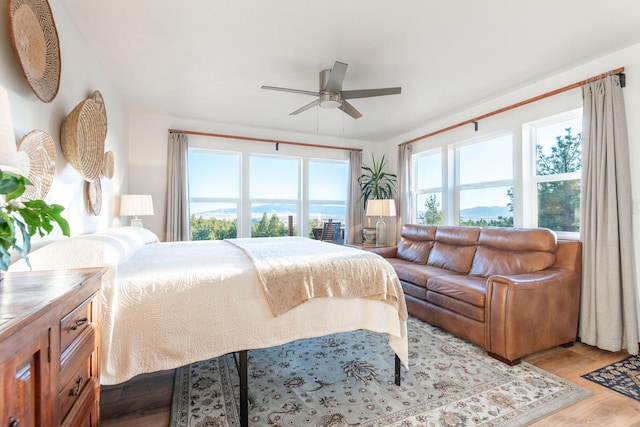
x,y
26,295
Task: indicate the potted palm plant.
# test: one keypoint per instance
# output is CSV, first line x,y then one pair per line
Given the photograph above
x,y
375,183
22,219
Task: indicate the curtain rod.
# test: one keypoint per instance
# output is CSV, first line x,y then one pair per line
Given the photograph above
x,y
475,120
273,141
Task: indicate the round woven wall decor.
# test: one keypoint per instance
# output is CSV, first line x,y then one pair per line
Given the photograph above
x,y
94,196
35,42
99,100
107,165
40,163
82,136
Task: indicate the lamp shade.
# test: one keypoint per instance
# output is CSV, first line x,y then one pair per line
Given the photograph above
x,y
136,204
381,207
9,160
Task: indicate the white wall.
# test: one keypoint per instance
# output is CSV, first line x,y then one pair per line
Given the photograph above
x,y
81,74
148,153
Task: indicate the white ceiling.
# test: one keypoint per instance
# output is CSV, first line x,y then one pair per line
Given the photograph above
x,y
206,59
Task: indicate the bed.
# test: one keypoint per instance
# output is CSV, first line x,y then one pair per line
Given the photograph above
x,y
169,304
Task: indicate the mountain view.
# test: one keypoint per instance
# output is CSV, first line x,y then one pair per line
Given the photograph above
x,y
333,211
281,210
485,212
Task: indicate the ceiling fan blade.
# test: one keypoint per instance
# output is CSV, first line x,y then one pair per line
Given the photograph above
x,y
306,107
284,89
350,110
334,84
366,93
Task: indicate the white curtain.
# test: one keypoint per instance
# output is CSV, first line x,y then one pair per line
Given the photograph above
x,y
177,225
404,201
608,309
355,211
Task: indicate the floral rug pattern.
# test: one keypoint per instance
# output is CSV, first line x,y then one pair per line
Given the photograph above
x,y
622,376
346,379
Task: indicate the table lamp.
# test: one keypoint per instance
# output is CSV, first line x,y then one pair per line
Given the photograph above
x,y
136,205
381,208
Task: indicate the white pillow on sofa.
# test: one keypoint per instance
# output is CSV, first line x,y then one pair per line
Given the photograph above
x,y
105,248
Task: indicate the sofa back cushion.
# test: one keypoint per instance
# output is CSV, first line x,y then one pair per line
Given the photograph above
x,y
509,251
454,248
416,242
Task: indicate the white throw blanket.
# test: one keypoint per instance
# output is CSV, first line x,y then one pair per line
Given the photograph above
x,y
293,270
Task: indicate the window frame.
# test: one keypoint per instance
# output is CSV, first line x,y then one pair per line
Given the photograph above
x,y
310,201
530,135
237,201
480,185
416,191
248,149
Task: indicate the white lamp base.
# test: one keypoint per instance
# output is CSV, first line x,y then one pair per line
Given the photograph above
x,y
136,222
381,232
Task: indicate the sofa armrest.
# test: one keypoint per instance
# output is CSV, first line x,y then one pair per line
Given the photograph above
x,y
530,312
385,251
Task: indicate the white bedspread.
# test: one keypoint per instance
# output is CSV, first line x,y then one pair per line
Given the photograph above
x,y
176,303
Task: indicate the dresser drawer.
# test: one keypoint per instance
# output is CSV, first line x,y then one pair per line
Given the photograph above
x,y
79,375
76,322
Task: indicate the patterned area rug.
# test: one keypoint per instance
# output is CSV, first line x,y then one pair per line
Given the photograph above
x,y
346,379
622,376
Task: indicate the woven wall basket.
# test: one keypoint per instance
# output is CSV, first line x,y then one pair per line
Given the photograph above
x,y
37,153
35,42
107,165
82,137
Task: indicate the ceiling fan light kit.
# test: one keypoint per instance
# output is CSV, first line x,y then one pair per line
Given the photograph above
x,y
331,95
330,100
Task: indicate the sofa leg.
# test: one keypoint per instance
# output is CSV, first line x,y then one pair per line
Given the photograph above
x,y
567,345
504,360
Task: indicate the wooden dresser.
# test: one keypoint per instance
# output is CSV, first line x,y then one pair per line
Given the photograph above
x,y
49,348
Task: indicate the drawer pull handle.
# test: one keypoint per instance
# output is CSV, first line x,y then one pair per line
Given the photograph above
x,y
14,422
76,389
78,323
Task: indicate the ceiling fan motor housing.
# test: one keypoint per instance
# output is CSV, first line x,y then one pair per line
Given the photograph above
x,y
328,99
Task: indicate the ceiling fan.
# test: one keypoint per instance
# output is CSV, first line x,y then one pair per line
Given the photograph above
x,y
331,95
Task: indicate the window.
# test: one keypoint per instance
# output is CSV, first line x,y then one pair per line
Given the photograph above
x,y
254,193
484,182
274,192
214,194
427,176
557,145
328,181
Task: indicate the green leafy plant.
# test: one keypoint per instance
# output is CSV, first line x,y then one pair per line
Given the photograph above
x,y
23,218
375,183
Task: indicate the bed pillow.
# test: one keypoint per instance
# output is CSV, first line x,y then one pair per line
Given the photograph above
x,y
106,248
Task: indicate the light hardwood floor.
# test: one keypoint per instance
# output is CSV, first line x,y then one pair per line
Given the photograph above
x,y
145,401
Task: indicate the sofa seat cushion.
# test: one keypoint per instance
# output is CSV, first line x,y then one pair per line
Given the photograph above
x,y
468,289
415,291
456,306
417,274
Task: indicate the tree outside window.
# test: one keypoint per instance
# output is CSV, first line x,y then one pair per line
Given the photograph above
x,y
558,182
432,214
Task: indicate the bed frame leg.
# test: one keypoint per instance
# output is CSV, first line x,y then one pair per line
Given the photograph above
x,y
244,390
397,374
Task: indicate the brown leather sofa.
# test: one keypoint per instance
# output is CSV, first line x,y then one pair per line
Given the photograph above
x,y
513,291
